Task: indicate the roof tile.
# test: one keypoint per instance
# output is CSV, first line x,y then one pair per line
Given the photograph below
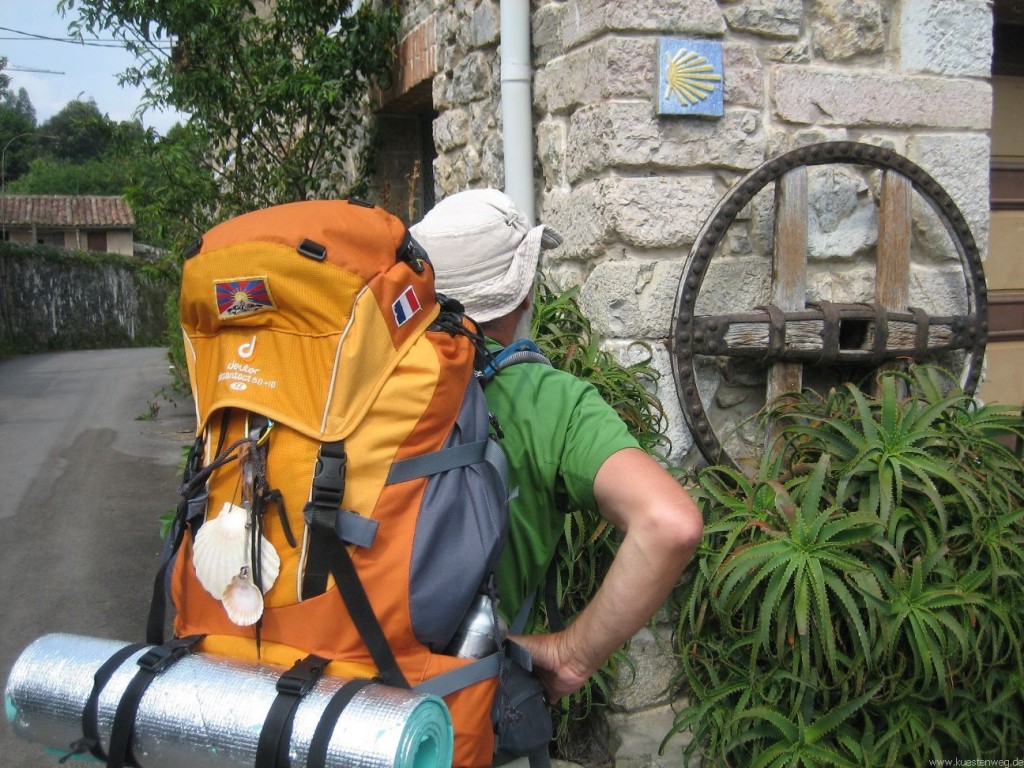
x,y
109,212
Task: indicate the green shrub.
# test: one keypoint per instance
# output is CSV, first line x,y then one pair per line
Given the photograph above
x,y
859,602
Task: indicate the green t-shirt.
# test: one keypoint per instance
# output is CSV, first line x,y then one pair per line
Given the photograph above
x,y
558,431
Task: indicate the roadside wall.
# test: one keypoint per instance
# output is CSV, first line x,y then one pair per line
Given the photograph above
x,y
51,299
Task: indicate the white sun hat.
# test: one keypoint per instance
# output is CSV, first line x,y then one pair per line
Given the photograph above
x,y
484,251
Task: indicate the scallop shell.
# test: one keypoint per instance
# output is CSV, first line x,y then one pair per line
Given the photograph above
x,y
270,564
243,600
221,549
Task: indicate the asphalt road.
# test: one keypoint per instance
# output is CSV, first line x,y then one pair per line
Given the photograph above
x,y
90,447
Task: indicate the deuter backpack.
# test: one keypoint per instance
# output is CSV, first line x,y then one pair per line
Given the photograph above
x,y
344,502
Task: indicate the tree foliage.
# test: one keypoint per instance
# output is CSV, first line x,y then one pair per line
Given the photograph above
x,y
276,95
80,132
17,123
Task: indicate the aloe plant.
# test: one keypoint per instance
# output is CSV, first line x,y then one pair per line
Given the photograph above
x,y
860,600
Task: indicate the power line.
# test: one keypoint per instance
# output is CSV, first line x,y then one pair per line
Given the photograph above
x,y
99,43
34,70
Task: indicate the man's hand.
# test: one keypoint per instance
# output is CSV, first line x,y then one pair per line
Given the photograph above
x,y
553,663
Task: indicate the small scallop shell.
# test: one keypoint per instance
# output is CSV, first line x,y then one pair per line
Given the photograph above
x,y
220,549
242,600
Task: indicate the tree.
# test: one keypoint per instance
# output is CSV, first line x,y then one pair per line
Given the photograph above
x,y
279,97
17,124
81,132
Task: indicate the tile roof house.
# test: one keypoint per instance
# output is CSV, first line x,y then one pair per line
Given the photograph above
x,y
78,222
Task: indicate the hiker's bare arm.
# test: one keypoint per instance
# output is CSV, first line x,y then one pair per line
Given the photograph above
x,y
662,527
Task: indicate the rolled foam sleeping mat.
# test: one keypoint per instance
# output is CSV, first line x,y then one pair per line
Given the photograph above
x,y
207,711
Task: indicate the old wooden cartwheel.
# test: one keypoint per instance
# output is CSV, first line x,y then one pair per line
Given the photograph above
x,y
789,332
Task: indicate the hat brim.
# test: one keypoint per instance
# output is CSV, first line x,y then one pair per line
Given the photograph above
x,y
499,296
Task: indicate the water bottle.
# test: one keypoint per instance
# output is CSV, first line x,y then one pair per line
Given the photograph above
x,y
475,637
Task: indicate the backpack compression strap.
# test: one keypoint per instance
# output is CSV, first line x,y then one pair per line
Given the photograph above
x,y
151,663
330,530
276,734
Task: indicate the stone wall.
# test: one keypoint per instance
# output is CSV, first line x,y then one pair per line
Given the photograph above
x,y
630,189
51,299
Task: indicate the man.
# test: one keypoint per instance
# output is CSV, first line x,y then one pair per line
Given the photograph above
x,y
567,448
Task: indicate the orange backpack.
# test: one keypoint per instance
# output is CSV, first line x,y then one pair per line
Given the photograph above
x,y
342,432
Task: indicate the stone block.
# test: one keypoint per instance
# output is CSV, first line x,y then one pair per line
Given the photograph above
x,y
580,218
618,68
484,28
842,218
647,680
546,36
937,291
767,18
625,134
630,298
960,164
659,212
843,29
948,37
451,129
473,78
643,213
744,75
593,18
866,98
551,152
638,735
789,53
734,284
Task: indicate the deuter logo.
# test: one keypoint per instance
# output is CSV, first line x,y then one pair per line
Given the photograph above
x,y
247,350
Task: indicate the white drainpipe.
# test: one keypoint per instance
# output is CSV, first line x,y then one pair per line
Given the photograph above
x,y
517,104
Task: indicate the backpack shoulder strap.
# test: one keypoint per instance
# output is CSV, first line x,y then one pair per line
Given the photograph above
x,y
519,351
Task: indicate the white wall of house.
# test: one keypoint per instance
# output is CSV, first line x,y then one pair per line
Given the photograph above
x,y
120,241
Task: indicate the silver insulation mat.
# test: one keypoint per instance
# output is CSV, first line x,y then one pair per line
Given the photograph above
x,y
207,710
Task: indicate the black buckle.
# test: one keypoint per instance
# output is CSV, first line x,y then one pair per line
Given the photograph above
x,y
329,478
300,679
160,657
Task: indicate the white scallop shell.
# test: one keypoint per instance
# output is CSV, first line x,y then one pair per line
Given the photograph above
x,y
221,549
270,564
243,600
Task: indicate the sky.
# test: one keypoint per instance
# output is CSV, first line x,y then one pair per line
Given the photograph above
x,y
70,70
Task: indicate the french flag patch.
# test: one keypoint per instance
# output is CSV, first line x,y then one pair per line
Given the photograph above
x,y
406,306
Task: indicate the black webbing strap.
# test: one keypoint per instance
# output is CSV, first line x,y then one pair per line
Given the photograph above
x,y
90,741
316,757
328,554
158,603
324,501
361,612
292,686
151,663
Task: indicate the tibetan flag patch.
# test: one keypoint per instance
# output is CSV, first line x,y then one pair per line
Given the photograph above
x,y
243,296
406,306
